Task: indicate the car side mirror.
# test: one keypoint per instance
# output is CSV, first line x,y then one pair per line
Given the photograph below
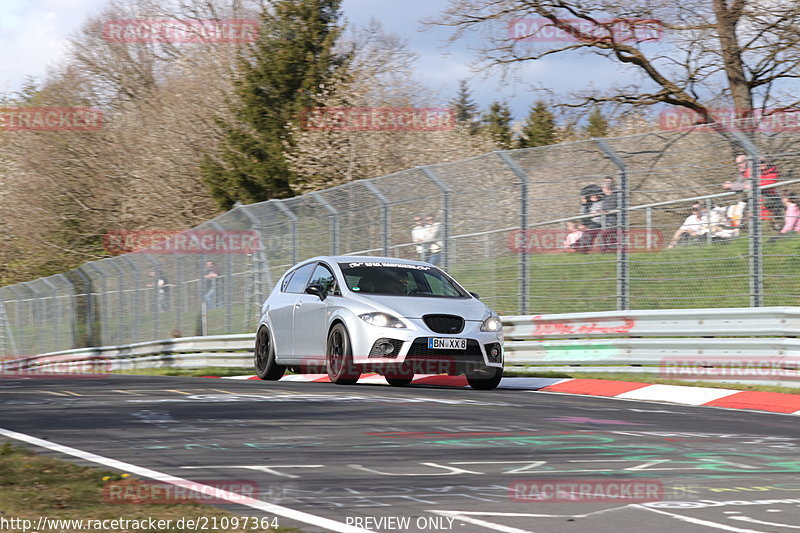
x,y
475,295
317,289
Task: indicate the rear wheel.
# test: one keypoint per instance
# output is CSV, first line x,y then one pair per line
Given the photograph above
x,y
339,357
264,357
487,379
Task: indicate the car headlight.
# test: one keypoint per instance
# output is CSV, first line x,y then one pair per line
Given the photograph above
x,y
492,324
382,320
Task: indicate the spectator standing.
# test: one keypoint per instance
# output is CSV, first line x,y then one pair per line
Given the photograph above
x,y
610,202
157,281
791,219
433,238
210,279
418,236
771,204
743,179
591,205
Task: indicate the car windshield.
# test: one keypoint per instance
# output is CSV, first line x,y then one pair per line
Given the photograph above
x,y
399,279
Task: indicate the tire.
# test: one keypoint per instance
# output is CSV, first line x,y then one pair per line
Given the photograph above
x,y
482,382
264,357
339,357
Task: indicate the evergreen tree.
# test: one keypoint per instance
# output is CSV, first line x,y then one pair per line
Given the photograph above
x,y
292,58
465,109
540,127
497,123
598,124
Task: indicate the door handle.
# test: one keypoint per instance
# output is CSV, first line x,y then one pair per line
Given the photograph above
x,y
298,304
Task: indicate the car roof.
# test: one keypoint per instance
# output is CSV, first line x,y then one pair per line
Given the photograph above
x,y
364,259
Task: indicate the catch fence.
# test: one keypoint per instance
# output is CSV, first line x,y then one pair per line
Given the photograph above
x,y
500,222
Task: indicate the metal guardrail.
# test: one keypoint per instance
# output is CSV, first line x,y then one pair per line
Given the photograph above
x,y
612,341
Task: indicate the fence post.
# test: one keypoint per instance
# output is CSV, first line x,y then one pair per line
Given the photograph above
x,y
6,334
260,267
623,227
288,212
648,217
334,217
227,287
120,299
754,219
524,289
55,316
382,199
431,175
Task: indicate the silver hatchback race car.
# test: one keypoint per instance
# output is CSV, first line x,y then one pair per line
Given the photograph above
x,y
351,314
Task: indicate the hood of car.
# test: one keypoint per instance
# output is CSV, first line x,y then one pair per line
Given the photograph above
x,y
416,306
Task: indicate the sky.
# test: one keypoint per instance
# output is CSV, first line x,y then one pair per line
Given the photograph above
x,y
33,37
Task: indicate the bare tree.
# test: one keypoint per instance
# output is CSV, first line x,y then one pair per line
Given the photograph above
x,y
381,76
694,54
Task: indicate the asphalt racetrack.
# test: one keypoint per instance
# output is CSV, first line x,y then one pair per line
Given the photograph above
x,y
376,458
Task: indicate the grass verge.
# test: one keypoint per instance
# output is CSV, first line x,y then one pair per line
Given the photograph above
x,y
34,486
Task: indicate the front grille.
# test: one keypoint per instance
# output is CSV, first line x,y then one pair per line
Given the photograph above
x,y
448,324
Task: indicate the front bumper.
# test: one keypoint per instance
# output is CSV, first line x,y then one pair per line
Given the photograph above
x,y
410,345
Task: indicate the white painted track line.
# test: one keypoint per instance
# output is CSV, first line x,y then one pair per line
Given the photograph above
x,y
231,497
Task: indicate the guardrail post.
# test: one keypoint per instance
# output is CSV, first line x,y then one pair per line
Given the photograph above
x,y
293,218
623,227
385,203
754,219
334,217
524,289
431,175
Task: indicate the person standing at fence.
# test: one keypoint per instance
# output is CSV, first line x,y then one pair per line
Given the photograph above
x,y
610,201
433,231
157,281
743,179
210,280
418,236
592,205
792,217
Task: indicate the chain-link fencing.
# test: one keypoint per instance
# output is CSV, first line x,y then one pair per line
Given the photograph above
x,y
681,226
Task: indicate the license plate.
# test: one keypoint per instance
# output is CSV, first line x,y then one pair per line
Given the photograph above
x,y
447,344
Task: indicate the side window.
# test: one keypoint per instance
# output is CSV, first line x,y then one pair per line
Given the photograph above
x,y
324,277
286,281
300,277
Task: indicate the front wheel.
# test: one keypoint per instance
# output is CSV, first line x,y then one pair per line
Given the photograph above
x,y
264,357
486,380
339,357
